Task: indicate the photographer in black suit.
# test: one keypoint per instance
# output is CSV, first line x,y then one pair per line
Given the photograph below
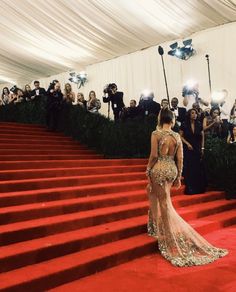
x,y
111,95
132,112
54,105
37,91
180,112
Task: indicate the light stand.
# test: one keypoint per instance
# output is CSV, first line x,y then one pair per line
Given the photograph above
x,y
209,72
161,53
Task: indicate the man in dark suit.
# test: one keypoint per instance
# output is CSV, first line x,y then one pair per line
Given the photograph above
x,y
116,98
37,91
147,105
180,112
131,112
54,105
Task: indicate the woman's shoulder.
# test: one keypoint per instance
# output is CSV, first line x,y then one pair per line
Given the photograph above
x,y
158,131
155,133
176,136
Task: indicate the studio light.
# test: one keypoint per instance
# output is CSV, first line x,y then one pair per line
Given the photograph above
x,y
174,46
183,53
178,53
190,84
78,79
217,97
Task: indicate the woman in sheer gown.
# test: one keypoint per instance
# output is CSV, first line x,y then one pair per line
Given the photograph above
x,y
178,242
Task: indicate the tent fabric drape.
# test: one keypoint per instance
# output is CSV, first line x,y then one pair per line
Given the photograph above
x,y
40,38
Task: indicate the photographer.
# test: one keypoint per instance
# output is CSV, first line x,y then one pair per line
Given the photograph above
x,y
190,94
116,98
16,95
147,105
54,105
37,91
212,124
180,112
131,112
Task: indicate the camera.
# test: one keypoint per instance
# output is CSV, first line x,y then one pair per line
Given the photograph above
x,y
189,91
14,89
108,88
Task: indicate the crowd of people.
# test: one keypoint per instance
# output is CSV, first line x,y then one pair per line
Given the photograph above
x,y
55,99
17,95
217,119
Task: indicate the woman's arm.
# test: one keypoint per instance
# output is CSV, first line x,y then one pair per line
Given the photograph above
x,y
204,102
190,147
185,101
98,104
205,127
229,138
232,113
203,142
179,164
153,154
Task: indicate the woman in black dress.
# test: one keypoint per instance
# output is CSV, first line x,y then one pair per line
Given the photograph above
x,y
192,136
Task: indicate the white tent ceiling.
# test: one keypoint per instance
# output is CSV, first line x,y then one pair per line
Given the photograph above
x,y
40,38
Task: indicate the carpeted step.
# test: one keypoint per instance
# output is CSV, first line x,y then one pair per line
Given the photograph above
x,y
183,200
35,136
143,274
49,157
46,183
40,145
29,132
49,142
32,196
57,271
8,157
216,221
16,126
59,207
201,210
26,253
30,229
73,171
4,165
50,152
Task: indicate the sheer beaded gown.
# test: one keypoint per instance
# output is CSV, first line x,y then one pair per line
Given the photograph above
x,y
178,242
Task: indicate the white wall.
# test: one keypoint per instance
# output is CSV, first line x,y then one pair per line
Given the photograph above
x,y
137,71
140,70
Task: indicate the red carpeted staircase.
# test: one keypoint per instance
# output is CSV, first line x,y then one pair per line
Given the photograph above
x,y
66,212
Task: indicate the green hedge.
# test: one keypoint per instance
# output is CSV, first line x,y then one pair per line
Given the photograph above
x,y
220,160
124,139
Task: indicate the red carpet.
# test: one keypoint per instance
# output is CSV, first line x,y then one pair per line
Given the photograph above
x,y
67,213
153,273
